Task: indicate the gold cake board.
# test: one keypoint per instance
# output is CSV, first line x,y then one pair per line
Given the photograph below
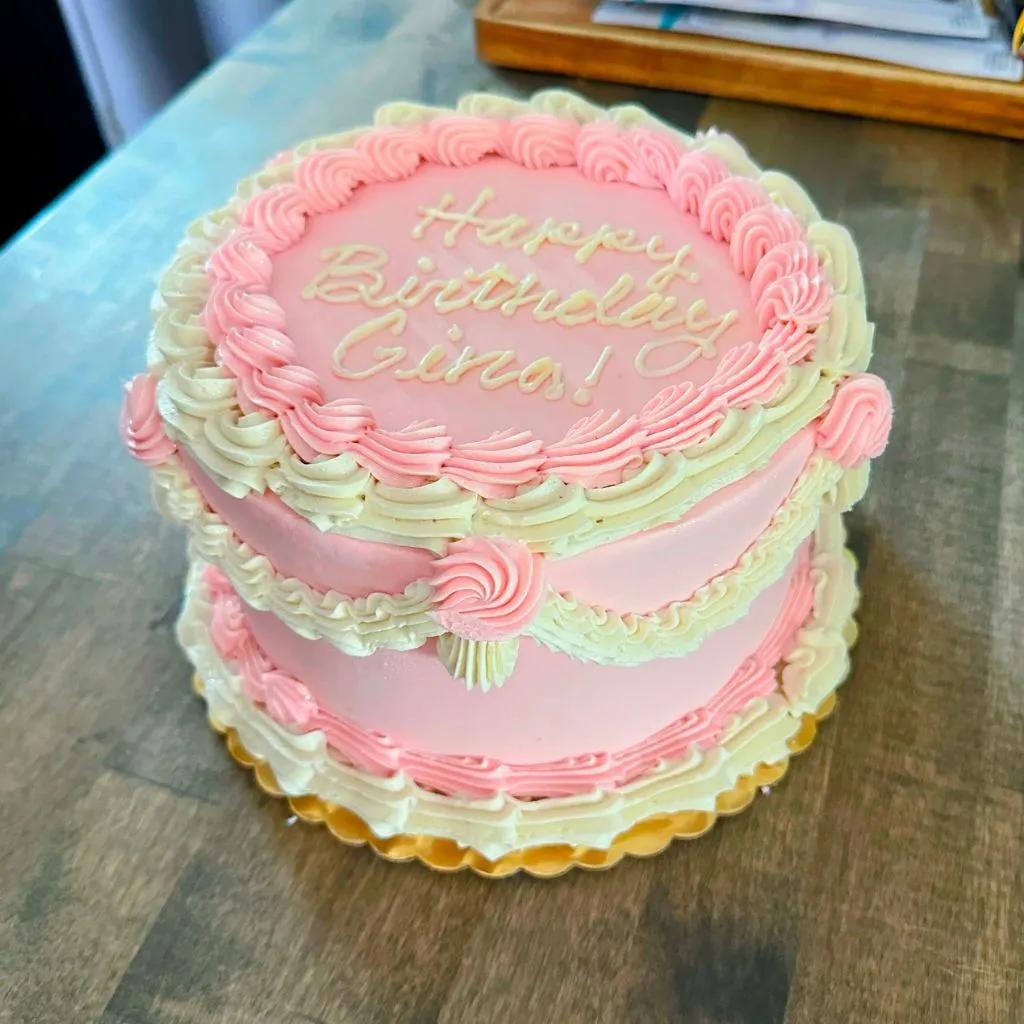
x,y
644,839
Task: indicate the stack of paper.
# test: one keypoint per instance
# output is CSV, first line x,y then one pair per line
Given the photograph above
x,y
951,36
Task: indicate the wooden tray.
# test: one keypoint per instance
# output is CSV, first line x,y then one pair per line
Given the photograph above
x,y
557,36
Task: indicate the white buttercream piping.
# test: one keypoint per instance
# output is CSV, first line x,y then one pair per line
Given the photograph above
x,y
359,626
249,452
498,825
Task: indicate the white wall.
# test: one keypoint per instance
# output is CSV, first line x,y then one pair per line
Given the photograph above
x,y
136,54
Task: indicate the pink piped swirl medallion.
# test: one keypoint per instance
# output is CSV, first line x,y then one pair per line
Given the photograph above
x,y
141,427
487,588
858,422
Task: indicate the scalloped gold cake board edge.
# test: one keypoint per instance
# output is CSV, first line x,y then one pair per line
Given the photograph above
x,y
645,838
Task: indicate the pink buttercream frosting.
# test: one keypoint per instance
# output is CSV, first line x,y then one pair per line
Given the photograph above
x,y
241,260
680,416
498,466
604,153
766,244
277,216
330,176
487,588
141,427
597,450
725,205
796,298
281,388
245,349
757,232
459,140
329,429
393,153
694,177
403,458
232,305
659,154
781,261
539,141
288,701
857,424
749,375
476,776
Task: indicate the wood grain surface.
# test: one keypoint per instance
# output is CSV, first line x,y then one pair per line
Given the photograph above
x,y
145,880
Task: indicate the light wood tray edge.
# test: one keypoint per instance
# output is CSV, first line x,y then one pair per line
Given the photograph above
x,y
557,36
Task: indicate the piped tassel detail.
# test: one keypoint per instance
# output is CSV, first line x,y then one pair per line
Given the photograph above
x,y
483,663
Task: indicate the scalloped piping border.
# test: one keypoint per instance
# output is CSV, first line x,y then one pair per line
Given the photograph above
x,y
645,839
403,621
395,807
551,518
356,626
279,216
606,637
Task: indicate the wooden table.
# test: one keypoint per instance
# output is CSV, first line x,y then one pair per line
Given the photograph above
x,y
145,880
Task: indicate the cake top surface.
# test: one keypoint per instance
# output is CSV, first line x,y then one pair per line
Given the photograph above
x,y
505,296
470,313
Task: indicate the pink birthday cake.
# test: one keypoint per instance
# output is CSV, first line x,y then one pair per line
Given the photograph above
x,y
512,443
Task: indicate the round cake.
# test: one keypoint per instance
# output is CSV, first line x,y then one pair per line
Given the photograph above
x,y
512,443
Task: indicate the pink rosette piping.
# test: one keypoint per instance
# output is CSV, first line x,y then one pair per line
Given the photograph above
x,y
328,177
597,450
795,298
277,217
604,154
539,141
245,349
229,628
281,387
487,588
748,375
757,232
461,140
394,153
142,429
767,244
216,583
697,174
233,305
791,257
657,153
792,342
403,458
240,260
681,416
726,203
313,429
857,424
497,467
288,701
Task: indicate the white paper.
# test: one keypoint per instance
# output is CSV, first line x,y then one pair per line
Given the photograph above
x,y
976,58
961,18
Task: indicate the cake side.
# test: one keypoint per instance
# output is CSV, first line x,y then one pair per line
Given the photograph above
x,y
404,616
393,804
